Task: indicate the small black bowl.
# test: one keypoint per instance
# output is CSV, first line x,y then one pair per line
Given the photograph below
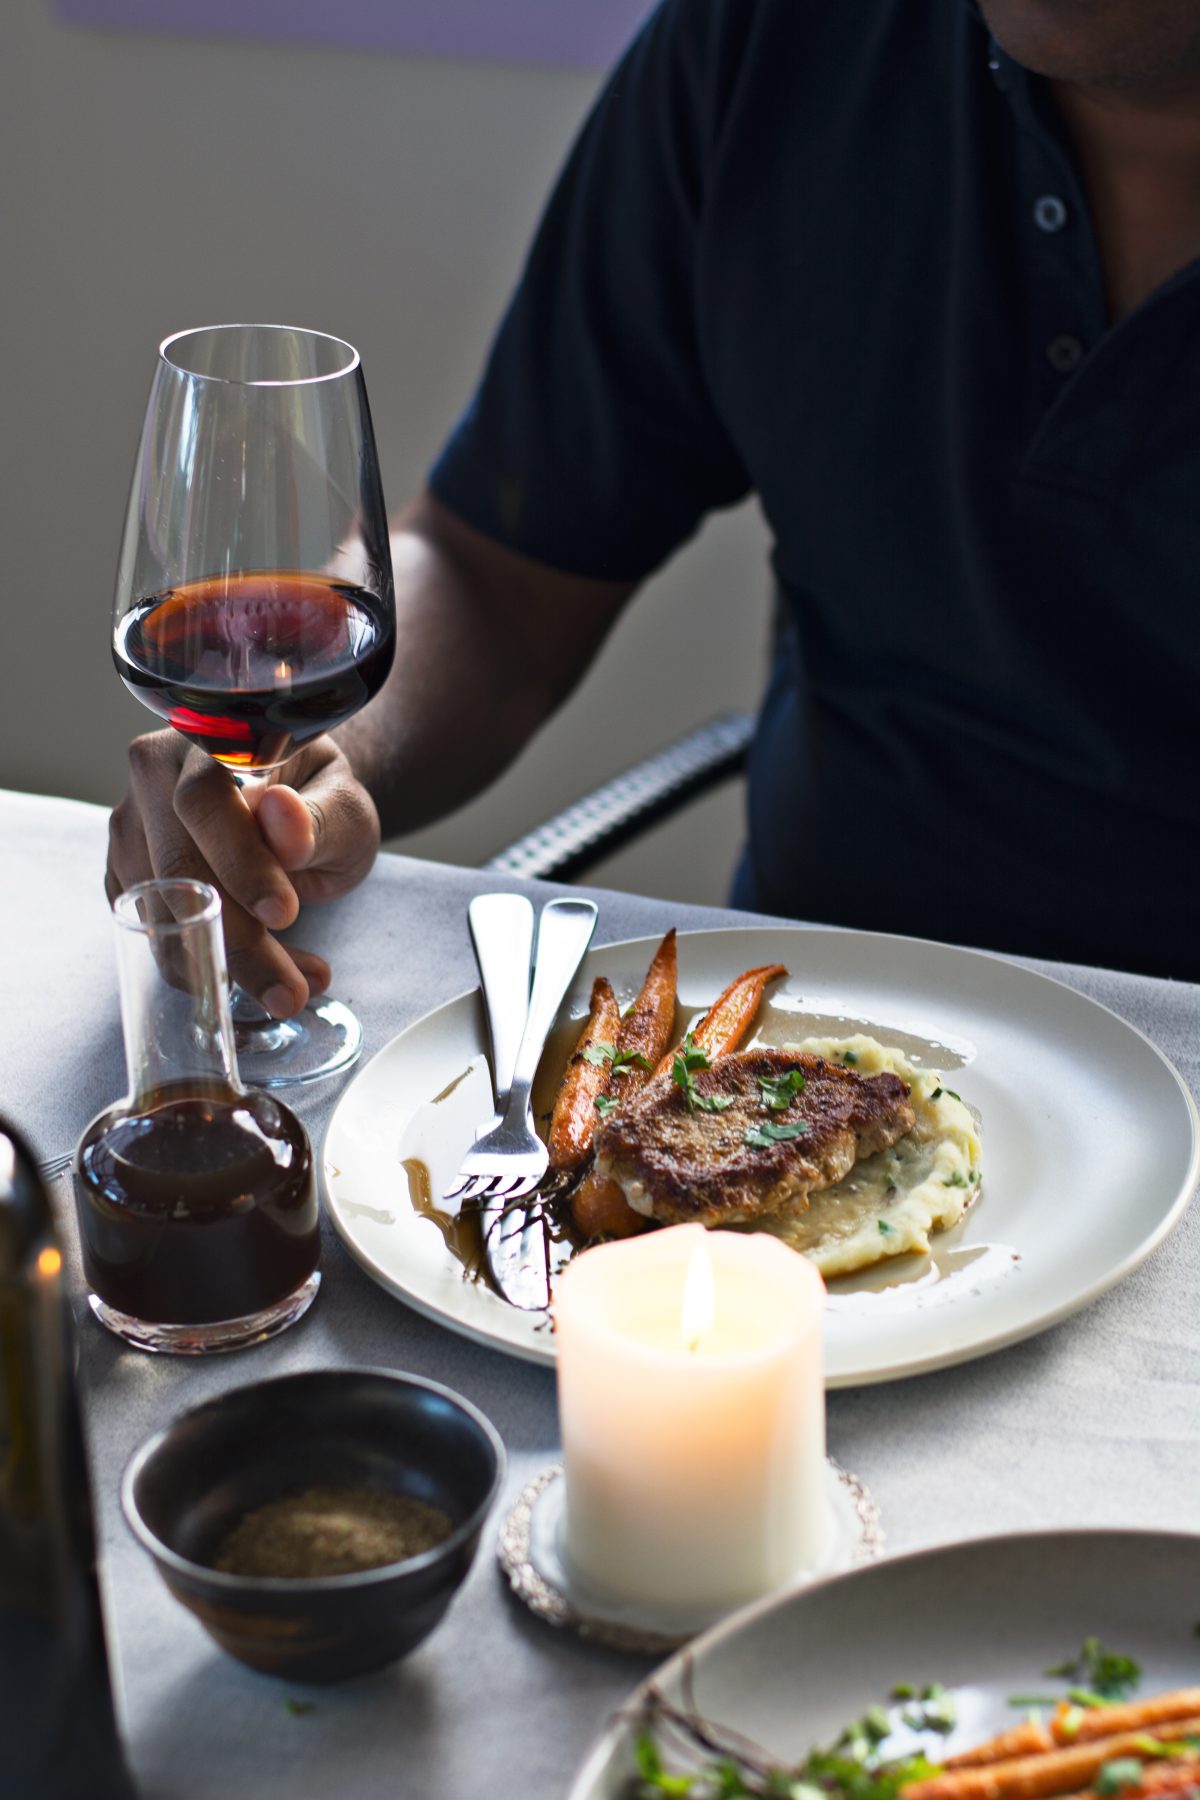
x,y
191,1483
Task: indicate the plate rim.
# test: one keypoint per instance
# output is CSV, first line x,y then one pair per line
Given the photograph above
x,y
749,1616
1003,1338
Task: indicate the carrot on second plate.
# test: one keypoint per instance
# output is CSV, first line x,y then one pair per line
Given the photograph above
x,y
1073,1725
1058,1771
585,1079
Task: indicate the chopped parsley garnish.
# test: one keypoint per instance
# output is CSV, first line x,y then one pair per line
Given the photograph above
x,y
886,1230
1121,1772
598,1054
850,1056
761,1137
958,1179
934,1710
605,1105
688,1058
778,1091
1108,1674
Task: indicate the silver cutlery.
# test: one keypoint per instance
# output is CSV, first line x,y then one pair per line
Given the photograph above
x,y
506,1163
501,928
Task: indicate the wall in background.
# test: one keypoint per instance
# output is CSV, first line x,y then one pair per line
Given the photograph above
x,y
573,34
155,183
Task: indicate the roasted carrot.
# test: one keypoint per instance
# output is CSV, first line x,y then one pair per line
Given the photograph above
x,y
1177,1775
574,1118
647,1027
598,1206
731,1015
599,1209
1059,1771
1075,1724
1026,1739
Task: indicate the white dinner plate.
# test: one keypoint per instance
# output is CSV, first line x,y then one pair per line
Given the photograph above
x,y
986,1619
1089,1140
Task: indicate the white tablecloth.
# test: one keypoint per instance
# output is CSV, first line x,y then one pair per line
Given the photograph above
x,y
1094,1422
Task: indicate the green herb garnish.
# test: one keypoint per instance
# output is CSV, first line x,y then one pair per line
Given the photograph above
x,y
778,1091
688,1058
1121,1772
1106,1672
651,1770
599,1054
850,1056
761,1137
886,1230
934,1710
605,1105
1033,1700
1086,1697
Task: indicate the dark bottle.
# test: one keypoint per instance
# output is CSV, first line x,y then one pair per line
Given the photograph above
x,y
197,1203
58,1735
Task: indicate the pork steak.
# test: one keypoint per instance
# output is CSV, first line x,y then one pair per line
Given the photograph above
x,y
678,1165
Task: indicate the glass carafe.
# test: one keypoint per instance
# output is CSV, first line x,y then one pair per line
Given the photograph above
x,y
196,1197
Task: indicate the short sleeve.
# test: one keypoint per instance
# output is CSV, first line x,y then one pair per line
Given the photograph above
x,y
592,443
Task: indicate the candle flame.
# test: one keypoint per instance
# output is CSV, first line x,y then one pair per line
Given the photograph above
x,y
283,671
49,1261
699,1298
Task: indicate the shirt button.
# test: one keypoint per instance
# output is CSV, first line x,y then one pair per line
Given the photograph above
x,y
1064,353
1049,213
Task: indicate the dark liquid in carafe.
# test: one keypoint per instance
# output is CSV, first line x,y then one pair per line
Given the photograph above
x,y
194,1210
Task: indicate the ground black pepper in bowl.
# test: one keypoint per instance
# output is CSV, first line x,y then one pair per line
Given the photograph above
x,y
346,1466
330,1531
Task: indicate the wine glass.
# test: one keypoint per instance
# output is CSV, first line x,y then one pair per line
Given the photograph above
x,y
254,602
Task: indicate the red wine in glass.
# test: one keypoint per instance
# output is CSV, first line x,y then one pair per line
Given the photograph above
x,y
250,667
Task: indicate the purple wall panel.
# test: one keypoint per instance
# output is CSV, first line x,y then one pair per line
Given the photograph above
x,y
582,34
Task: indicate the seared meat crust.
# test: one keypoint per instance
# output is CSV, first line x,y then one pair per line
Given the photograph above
x,y
678,1166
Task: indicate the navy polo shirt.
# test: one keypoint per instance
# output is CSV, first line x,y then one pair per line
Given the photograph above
x,y
840,256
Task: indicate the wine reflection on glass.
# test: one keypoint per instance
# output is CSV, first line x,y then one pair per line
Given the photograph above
x,y
254,600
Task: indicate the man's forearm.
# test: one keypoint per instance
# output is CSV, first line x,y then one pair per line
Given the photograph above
x,y
488,644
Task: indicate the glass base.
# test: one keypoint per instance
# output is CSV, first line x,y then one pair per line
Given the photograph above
x,y
322,1040
222,1334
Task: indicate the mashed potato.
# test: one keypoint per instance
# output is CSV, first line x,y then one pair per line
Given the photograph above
x,y
890,1202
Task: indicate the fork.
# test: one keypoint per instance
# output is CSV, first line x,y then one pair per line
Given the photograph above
x,y
509,1160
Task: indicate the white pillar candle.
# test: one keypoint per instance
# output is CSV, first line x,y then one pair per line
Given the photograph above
x,y
693,1444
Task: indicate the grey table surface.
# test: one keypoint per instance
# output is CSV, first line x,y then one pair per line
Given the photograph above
x,y
1095,1422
